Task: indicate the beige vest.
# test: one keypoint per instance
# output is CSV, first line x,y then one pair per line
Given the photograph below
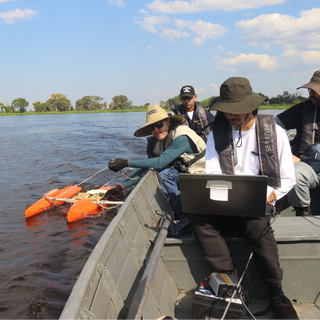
x,y
198,166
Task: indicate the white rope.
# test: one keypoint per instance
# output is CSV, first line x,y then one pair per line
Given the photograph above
x,y
77,185
92,176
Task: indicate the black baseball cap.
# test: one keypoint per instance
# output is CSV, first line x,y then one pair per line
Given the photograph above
x,y
187,91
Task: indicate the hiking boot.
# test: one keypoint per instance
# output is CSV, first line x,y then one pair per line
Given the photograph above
x,y
303,211
282,307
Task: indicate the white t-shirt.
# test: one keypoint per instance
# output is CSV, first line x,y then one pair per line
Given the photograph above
x,y
246,158
190,114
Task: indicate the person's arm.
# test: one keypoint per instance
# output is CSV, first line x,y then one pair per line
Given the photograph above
x,y
295,159
279,123
287,173
178,146
212,157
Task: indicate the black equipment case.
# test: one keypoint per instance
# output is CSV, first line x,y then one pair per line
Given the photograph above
x,y
209,306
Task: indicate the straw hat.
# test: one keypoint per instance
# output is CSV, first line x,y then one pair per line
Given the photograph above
x,y
237,97
314,83
155,114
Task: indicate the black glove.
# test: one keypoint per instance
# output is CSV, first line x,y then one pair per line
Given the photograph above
x,y
113,191
117,164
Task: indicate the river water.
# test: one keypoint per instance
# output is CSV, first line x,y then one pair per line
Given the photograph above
x,y
41,257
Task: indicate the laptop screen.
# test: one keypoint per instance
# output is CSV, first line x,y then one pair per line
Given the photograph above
x,y
220,194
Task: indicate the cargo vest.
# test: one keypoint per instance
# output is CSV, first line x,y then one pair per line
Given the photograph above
x,y
267,146
191,163
309,126
199,110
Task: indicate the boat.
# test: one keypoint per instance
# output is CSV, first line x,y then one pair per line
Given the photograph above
x,y
84,204
137,271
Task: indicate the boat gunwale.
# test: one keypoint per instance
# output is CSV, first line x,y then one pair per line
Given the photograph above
x,y
74,304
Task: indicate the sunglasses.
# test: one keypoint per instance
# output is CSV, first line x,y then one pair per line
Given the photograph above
x,y
158,125
186,98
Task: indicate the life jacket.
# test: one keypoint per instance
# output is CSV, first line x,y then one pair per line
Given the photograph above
x,y
191,163
309,126
267,146
201,115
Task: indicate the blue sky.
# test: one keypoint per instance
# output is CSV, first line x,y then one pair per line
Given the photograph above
x,y
148,49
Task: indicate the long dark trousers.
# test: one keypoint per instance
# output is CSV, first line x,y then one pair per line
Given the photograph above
x,y
258,234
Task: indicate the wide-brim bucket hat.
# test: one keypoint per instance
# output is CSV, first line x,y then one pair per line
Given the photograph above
x,y
314,83
237,97
155,114
213,100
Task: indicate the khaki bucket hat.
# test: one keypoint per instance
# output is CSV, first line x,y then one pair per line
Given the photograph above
x,y
237,97
314,83
155,114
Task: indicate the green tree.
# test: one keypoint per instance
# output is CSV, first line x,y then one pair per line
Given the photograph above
x,y
286,98
120,102
172,102
40,107
162,103
90,103
58,102
9,109
20,105
204,103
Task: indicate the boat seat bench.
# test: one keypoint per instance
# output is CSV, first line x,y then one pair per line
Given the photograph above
x,y
298,240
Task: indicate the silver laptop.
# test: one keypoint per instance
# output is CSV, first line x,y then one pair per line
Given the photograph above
x,y
219,194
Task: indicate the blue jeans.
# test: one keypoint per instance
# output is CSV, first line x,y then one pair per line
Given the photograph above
x,y
170,186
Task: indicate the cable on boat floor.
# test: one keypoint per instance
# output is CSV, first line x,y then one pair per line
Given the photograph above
x,y
305,311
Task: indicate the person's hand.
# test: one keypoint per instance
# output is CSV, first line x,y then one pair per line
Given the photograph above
x,y
272,197
114,191
295,159
117,164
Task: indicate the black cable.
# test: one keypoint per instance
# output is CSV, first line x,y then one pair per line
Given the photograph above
x,y
245,305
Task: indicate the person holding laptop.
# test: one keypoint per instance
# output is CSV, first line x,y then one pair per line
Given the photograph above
x,y
244,143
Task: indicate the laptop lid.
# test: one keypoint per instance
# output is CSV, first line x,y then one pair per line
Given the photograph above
x,y
220,194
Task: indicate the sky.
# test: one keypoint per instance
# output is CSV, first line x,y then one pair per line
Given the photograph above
x,y
148,49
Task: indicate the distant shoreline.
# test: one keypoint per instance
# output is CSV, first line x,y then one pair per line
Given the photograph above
x,y
33,113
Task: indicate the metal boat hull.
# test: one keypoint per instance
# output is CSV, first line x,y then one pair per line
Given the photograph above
x,y
108,281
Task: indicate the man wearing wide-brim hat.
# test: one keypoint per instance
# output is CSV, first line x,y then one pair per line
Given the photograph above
x,y
172,148
305,118
244,143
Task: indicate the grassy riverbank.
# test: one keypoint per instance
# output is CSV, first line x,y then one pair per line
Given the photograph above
x,y
273,106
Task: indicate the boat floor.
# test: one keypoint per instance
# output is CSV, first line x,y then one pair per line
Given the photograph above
x,y
304,310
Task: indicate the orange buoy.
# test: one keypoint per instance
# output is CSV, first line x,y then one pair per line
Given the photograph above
x,y
45,204
84,208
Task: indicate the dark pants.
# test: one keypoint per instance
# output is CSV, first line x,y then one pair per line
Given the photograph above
x,y
258,234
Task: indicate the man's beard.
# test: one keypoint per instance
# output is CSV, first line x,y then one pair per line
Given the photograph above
x,y
315,101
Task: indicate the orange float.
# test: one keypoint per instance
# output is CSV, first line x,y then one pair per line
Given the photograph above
x,y
85,208
45,204
85,204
